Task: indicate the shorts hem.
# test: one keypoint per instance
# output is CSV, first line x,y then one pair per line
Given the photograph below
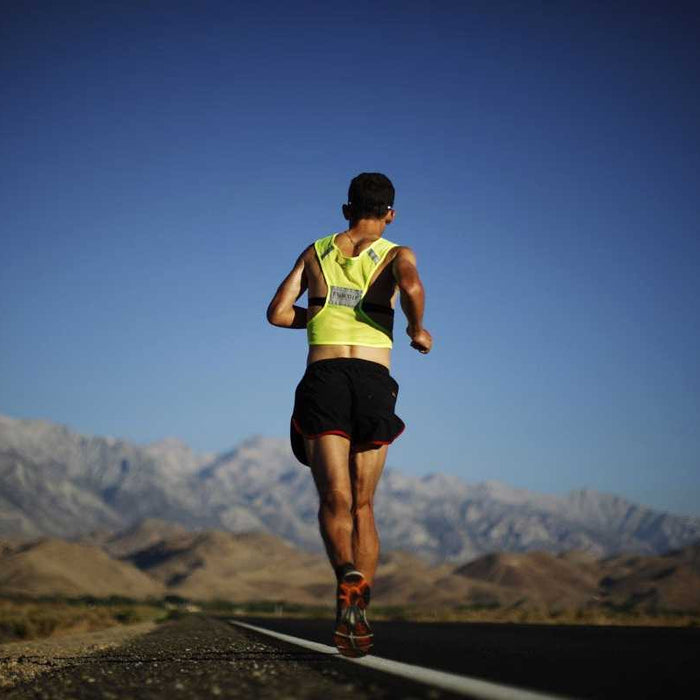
x,y
379,443
342,433
298,436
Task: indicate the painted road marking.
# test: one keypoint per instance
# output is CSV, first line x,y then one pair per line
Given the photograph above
x,y
464,685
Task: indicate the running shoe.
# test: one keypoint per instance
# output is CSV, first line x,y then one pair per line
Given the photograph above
x,y
353,635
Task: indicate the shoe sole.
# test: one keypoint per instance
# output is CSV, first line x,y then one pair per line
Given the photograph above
x,y
353,636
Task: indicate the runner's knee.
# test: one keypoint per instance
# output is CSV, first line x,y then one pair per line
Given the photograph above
x,y
363,507
337,502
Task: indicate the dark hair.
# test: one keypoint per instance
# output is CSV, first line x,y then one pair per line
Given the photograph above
x,y
370,196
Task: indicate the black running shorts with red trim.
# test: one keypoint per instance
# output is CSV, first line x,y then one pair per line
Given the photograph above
x,y
348,397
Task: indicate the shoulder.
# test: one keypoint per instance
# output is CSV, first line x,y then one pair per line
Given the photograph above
x,y
311,254
404,253
391,248
307,254
308,251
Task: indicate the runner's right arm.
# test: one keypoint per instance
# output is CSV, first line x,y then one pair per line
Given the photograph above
x,y
282,311
412,298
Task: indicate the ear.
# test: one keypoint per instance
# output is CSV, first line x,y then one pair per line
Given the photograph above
x,y
346,212
390,215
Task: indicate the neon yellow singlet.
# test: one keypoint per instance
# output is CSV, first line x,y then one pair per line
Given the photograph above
x,y
342,321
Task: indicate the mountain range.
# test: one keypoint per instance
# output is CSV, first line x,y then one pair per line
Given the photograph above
x,y
154,558
57,483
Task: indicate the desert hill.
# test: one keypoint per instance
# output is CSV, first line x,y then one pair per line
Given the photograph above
x,y
158,558
56,567
403,578
541,577
669,582
254,566
143,534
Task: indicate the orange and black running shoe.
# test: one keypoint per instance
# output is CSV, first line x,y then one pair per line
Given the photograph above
x,y
353,635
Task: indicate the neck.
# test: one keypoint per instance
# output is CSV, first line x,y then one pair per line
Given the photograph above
x,y
364,229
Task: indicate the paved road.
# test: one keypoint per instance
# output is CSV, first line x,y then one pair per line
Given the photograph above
x,y
199,657
202,657
600,662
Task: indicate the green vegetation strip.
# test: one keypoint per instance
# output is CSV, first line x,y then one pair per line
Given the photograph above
x,y
32,619
24,618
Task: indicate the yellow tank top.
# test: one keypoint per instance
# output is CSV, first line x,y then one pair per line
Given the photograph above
x,y
342,320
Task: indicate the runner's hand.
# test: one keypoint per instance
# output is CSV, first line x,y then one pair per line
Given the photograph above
x,y
421,340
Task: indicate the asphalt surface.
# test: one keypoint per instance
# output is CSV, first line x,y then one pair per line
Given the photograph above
x,y
573,661
200,657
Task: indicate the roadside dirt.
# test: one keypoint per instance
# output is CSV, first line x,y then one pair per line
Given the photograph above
x,y
21,662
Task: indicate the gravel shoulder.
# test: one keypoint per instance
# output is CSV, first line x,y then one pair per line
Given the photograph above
x,y
21,662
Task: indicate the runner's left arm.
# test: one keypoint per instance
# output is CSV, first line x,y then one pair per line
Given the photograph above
x,y
282,310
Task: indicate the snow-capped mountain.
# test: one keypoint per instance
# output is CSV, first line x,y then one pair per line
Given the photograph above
x,y
58,483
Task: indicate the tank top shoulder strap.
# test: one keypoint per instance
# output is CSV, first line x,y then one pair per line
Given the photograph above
x,y
378,251
382,246
324,246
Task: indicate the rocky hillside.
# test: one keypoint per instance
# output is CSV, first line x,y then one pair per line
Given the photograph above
x,y
55,482
156,558
56,567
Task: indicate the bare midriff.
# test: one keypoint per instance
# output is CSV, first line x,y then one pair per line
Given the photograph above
x,y
355,352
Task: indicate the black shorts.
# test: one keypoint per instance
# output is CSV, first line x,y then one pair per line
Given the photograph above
x,y
348,397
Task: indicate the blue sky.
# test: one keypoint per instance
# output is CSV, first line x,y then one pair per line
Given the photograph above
x,y
162,164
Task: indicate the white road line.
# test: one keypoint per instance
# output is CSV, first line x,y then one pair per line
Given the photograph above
x,y
464,685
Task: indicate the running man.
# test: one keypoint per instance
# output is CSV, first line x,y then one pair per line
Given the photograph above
x,y
343,419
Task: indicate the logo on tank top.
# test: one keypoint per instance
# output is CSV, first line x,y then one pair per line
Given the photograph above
x,y
342,296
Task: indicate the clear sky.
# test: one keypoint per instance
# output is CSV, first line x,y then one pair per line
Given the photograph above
x,y
163,163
